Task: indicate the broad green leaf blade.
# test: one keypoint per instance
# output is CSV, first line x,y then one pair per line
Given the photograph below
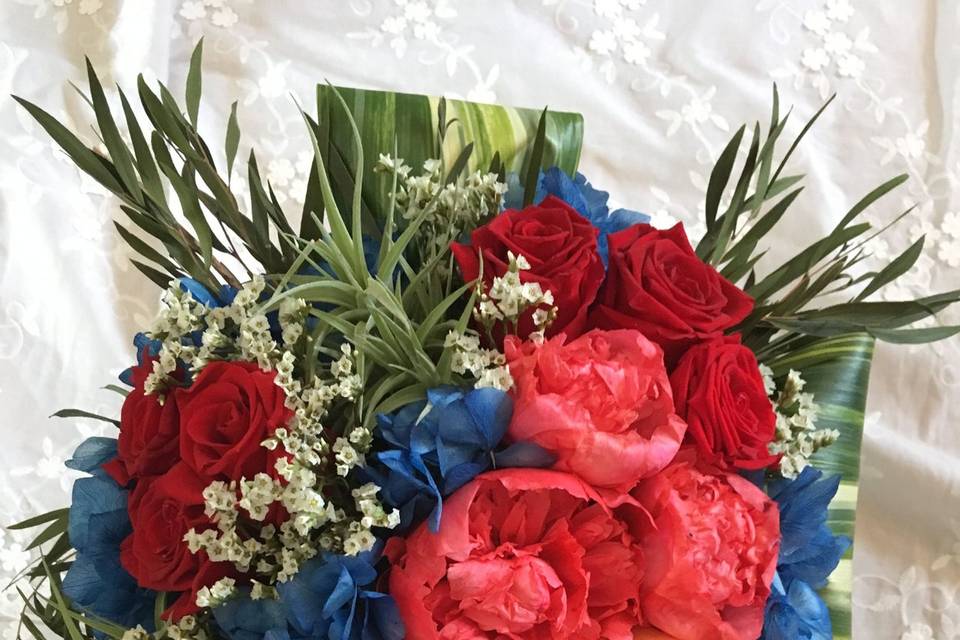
x,y
837,371
411,122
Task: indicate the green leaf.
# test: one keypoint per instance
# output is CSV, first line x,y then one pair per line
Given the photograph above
x,y
118,390
159,605
894,270
460,164
92,164
79,413
233,139
915,336
720,176
43,518
729,222
743,250
194,83
801,263
803,132
869,199
112,139
30,624
146,167
531,177
875,315
61,604
158,278
148,252
338,229
56,528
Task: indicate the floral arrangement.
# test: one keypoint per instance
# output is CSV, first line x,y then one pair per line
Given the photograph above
x,y
464,399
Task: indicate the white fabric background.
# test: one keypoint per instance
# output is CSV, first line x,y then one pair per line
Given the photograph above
x,y
661,83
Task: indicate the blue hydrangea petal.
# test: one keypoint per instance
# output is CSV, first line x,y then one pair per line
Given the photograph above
x,y
461,475
97,524
798,614
490,409
383,618
92,454
244,619
524,454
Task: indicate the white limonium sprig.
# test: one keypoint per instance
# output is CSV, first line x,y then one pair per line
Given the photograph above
x,y
215,595
797,437
449,208
487,366
509,298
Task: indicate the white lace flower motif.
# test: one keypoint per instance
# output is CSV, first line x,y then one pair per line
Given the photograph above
x,y
216,11
918,631
850,66
837,43
815,59
951,224
839,10
817,22
13,558
603,42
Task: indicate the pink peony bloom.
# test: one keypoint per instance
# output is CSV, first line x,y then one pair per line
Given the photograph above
x,y
711,553
522,554
601,404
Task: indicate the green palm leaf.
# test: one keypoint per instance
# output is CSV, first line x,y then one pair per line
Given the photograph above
x,y
837,371
409,126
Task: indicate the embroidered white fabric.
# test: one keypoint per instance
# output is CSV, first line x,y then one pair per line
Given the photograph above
x,y
661,83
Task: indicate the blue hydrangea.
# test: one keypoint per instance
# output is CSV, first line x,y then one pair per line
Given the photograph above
x,y
98,522
442,443
796,613
589,202
809,553
204,296
329,599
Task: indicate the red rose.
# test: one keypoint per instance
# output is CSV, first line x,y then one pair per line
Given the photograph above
x,y
162,510
148,444
601,404
521,554
225,415
711,553
657,285
719,391
561,247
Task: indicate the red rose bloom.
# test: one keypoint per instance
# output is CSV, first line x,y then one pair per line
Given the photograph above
x,y
148,443
719,391
711,553
561,247
225,415
601,404
521,554
657,285
162,510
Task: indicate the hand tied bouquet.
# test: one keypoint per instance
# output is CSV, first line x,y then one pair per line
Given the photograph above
x,y
464,399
